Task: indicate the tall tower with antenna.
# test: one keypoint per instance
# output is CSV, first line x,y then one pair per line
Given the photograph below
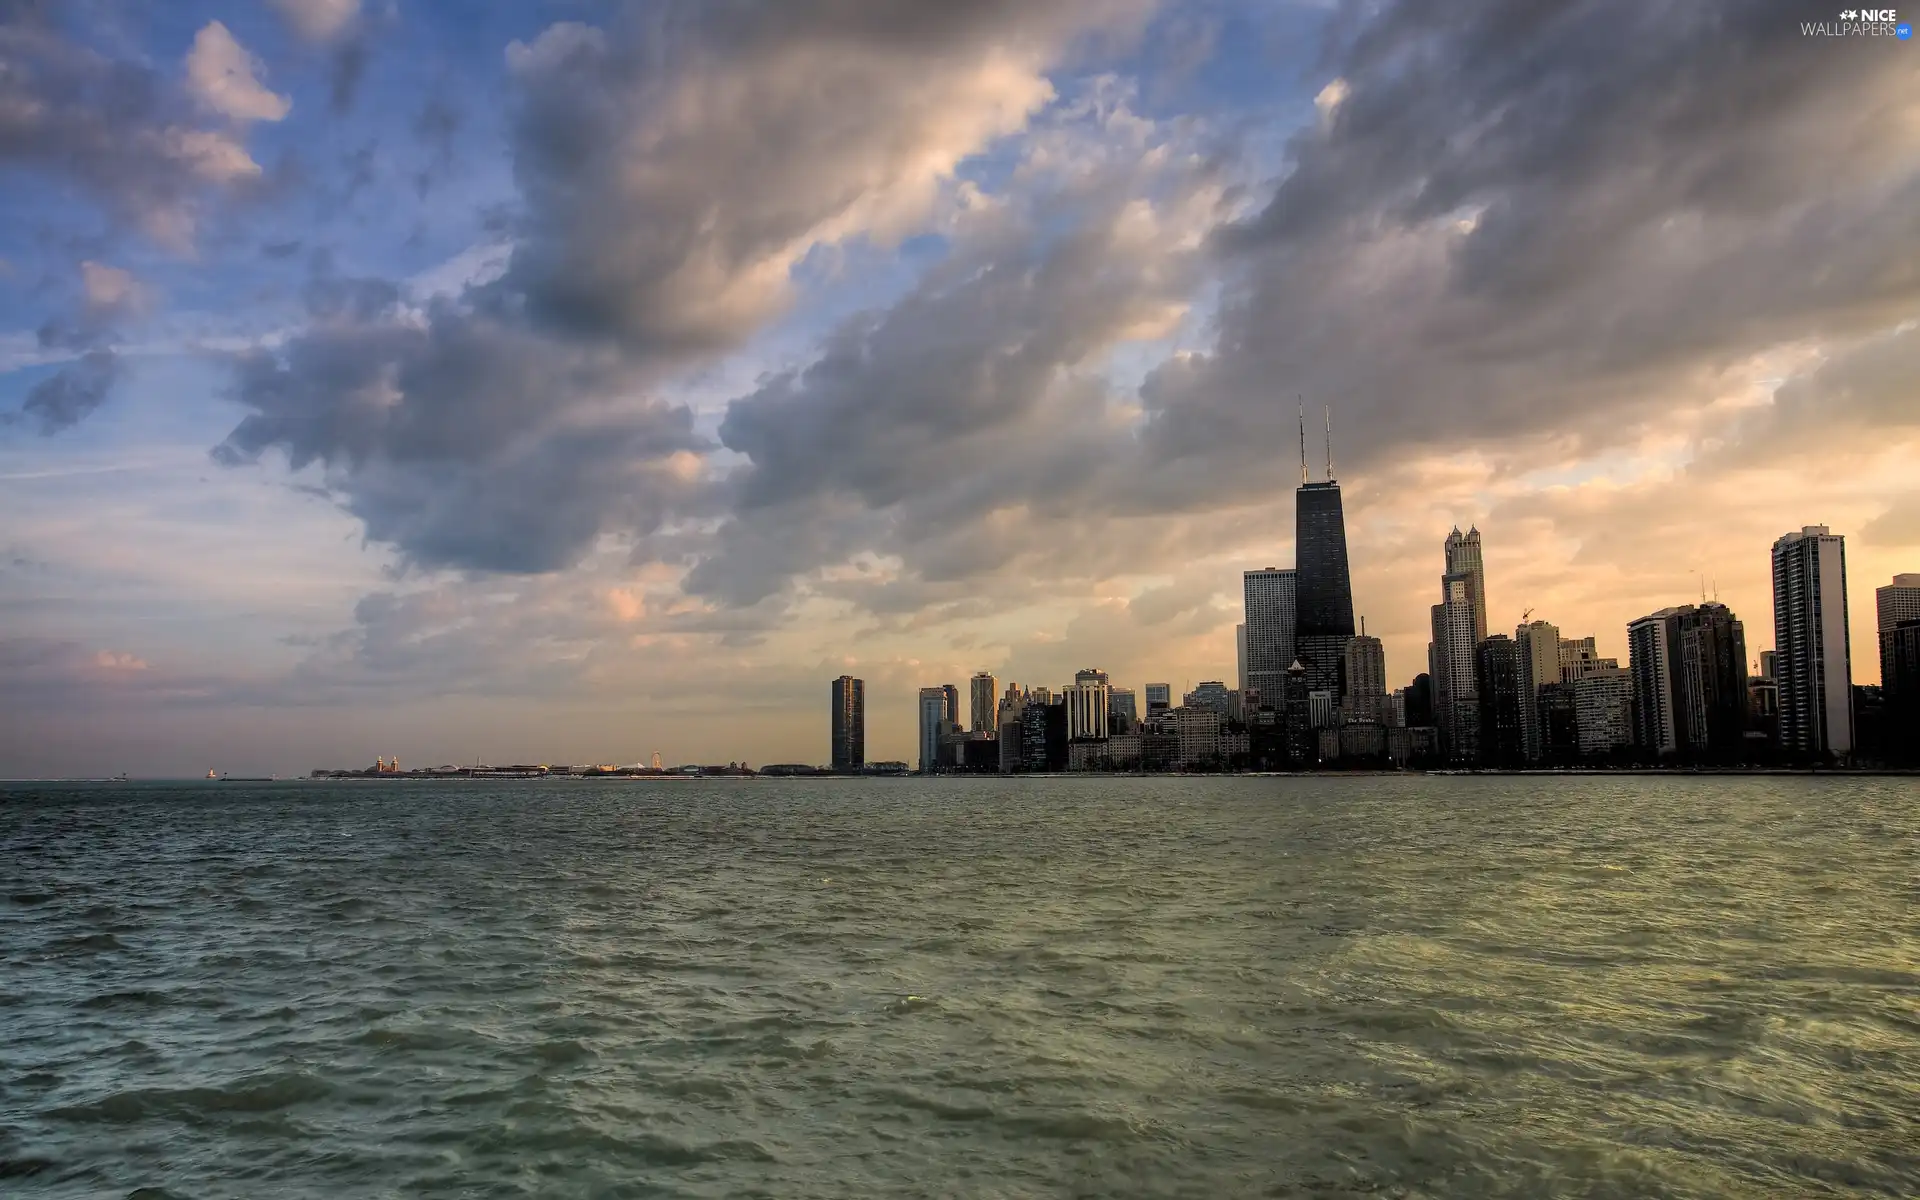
x,y
1323,587
1303,441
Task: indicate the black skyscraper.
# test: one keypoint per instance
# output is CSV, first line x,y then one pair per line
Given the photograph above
x,y
1497,672
1323,594
849,723
1322,591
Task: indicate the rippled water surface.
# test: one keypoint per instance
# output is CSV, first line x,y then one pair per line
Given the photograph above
x,y
1095,987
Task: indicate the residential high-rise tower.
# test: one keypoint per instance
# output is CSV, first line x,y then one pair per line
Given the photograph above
x,y
1539,643
849,723
934,721
1812,644
1366,672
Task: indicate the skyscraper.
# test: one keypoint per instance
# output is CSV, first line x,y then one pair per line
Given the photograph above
x,y
1812,643
849,723
1539,643
1463,558
1500,691
986,703
933,722
1366,671
1689,668
1122,707
953,704
1240,650
1650,659
1159,699
1456,700
1087,706
1603,711
1898,601
1712,679
1901,688
1323,590
1268,595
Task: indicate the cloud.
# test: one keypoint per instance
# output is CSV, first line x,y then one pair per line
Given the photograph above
x,y
318,20
1574,217
967,427
221,78
65,398
110,290
673,171
115,128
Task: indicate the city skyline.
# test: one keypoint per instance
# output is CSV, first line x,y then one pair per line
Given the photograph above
x,y
343,413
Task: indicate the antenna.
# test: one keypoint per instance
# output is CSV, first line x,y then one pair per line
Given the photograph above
x,y
1303,441
1329,443
1363,624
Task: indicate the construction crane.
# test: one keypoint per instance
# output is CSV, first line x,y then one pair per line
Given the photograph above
x,y
1524,614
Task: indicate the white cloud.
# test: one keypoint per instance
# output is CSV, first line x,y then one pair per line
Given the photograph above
x,y
317,20
221,77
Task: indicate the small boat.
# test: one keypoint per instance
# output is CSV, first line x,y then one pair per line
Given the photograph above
x,y
211,775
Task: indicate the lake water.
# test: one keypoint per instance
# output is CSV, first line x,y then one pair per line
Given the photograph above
x,y
1403,987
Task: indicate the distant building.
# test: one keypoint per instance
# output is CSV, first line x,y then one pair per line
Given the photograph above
x,y
1122,710
1557,717
1901,690
1366,671
1323,591
1539,645
1034,720
1087,700
1397,709
1574,650
1603,712
1012,742
953,706
1413,745
1456,702
1690,683
849,724
1240,651
1813,664
1198,731
1321,710
986,703
1159,699
1898,601
1419,703
1502,696
1268,595
1463,558
1650,654
1365,740
1212,694
934,720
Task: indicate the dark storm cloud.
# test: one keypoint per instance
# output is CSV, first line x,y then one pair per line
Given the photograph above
x,y
672,172
458,436
1522,216
1510,217
916,424
65,398
675,169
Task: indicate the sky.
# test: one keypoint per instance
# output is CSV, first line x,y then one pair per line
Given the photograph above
x,y
567,381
